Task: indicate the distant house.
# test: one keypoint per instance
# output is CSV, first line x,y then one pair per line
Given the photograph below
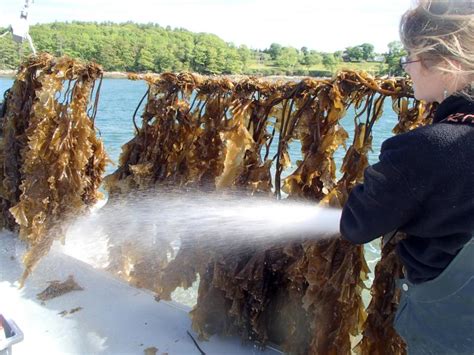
x,y
378,58
345,57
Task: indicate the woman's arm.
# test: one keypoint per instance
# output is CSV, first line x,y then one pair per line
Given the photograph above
x,y
383,203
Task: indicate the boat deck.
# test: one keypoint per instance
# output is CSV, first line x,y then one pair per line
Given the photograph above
x,y
113,318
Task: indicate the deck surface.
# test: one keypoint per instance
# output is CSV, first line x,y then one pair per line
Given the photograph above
x,y
114,318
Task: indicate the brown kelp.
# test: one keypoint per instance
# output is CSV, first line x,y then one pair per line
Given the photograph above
x,y
219,135
52,160
216,134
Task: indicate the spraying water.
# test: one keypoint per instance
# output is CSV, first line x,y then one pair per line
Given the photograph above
x,y
152,220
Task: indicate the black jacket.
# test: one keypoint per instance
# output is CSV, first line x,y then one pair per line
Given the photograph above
x,y
423,185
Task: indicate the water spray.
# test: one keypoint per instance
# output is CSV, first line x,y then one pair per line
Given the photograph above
x,y
148,220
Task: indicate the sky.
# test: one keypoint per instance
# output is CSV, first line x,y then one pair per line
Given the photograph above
x,y
323,25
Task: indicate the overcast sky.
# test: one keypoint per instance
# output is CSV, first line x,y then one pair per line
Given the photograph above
x,y
324,25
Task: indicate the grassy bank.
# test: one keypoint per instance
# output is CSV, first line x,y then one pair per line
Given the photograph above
x,y
318,70
255,68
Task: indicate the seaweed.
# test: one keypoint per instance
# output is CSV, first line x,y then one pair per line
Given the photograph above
x,y
58,288
215,134
52,161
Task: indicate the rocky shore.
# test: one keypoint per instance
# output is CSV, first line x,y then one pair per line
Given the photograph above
x,y
7,73
10,73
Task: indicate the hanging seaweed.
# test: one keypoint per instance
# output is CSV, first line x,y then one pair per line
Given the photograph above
x,y
379,335
217,134
52,160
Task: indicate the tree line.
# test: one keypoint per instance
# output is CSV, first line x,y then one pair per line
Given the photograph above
x,y
151,48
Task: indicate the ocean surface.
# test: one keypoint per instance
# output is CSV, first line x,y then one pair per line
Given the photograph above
x,y
120,97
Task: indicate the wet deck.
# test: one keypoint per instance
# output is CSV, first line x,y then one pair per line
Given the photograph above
x,y
114,318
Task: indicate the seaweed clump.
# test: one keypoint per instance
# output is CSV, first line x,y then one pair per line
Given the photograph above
x,y
52,161
220,135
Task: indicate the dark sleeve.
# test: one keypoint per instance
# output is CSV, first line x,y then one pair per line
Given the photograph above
x,y
381,204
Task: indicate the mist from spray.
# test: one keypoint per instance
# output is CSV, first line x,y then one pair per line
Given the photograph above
x,y
166,218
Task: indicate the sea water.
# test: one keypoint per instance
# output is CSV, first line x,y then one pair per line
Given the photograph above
x,y
118,101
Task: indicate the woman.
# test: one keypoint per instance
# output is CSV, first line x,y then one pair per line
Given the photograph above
x,y
423,185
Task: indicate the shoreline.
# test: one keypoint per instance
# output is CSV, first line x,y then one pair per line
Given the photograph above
x,y
10,73
7,73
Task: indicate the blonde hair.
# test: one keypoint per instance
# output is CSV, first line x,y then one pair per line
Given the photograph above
x,y
442,32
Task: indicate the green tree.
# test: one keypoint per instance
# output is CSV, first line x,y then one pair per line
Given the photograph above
x,y
358,53
108,57
287,59
338,55
150,47
274,50
311,58
330,62
199,62
233,62
367,51
9,56
354,54
145,60
209,54
245,55
392,58
165,61
183,42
